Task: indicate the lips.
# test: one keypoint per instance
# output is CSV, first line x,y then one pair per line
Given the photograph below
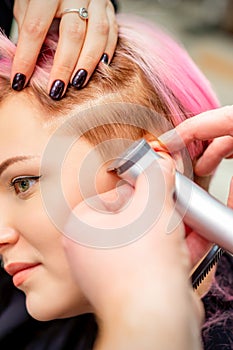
x,y
20,271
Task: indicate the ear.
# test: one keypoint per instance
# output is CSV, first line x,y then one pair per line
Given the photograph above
x,y
161,149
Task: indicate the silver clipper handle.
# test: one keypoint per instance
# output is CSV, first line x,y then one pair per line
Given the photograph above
x,y
202,212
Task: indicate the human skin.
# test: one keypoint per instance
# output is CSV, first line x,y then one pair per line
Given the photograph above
x,y
217,125
34,20
141,292
27,233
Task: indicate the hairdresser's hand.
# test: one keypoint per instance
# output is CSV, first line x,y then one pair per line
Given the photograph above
x,y
215,124
140,292
82,43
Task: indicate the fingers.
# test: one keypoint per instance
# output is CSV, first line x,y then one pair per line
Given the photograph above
x,y
89,51
72,32
81,46
82,43
37,20
204,126
219,149
101,37
112,36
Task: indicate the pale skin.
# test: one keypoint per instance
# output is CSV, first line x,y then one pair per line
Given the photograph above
x,y
91,39
21,240
148,294
130,317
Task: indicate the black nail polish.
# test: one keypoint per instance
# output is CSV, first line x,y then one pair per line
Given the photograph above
x,y
57,89
104,58
18,81
79,78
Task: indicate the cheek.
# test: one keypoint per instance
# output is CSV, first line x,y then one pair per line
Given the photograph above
x,y
35,225
41,237
71,189
72,253
77,182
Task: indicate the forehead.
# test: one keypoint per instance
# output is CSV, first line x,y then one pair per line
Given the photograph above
x,y
21,126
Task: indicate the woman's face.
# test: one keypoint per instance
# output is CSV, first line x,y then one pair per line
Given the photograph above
x,y
30,244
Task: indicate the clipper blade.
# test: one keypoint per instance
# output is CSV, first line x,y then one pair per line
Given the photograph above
x,y
206,265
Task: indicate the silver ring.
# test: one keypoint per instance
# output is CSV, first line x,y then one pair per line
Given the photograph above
x,y
82,11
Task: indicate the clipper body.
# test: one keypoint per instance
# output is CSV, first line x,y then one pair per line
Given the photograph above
x,y
200,211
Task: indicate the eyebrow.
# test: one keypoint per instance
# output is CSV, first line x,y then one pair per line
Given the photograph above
x,y
8,162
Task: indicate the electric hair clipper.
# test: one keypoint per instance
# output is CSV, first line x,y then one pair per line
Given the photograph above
x,y
199,210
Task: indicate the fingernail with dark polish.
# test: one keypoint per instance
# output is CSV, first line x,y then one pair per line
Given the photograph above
x,y
57,89
18,81
79,78
104,58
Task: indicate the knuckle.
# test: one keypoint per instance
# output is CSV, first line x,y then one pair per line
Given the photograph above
x,y
75,30
62,69
101,27
35,27
90,58
23,60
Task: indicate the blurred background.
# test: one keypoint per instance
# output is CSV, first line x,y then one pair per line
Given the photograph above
x,y
205,28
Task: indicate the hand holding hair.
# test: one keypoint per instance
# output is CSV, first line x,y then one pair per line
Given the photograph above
x,y
84,41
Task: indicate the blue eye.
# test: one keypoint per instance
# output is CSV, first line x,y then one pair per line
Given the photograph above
x,y
22,185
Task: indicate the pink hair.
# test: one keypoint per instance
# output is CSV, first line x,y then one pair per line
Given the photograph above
x,y
171,62
165,65
162,56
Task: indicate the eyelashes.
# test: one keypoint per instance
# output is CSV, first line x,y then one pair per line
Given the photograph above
x,y
23,185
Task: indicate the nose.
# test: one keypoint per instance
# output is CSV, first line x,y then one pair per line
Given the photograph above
x,y
8,236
